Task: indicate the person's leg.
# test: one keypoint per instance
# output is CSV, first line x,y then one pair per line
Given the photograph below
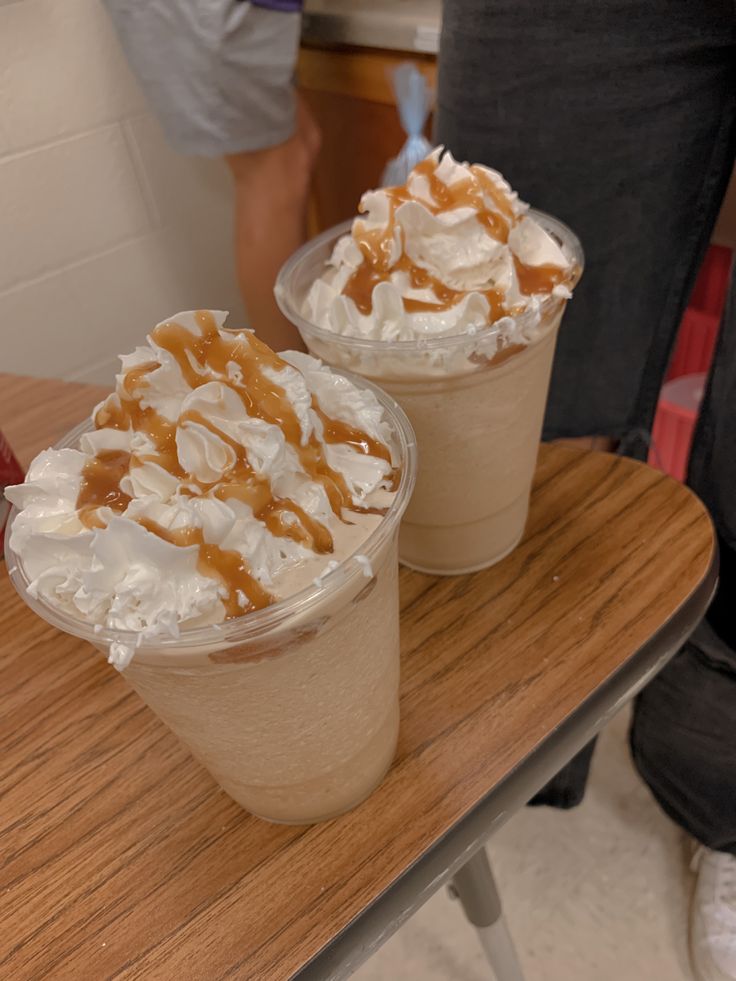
x,y
615,118
619,119
219,76
271,195
683,735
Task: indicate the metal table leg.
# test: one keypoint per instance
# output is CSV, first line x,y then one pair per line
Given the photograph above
x,y
475,887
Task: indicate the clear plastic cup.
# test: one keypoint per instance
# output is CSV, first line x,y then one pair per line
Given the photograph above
x,y
477,414
294,709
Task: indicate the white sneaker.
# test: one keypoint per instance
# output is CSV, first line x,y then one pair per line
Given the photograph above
x,y
713,917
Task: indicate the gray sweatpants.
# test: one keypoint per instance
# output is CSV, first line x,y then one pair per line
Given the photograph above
x,y
619,117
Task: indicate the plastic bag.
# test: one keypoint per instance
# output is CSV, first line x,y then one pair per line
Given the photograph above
x,y
413,100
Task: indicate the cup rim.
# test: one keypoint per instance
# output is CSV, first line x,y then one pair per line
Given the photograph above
x,y
566,238
250,626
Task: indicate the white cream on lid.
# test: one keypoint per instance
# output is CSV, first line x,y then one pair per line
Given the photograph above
x,y
216,470
449,252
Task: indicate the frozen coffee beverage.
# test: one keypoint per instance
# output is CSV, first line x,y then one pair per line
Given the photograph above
x,y
447,292
224,529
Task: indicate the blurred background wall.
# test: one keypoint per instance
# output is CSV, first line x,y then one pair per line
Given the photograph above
x,y
103,230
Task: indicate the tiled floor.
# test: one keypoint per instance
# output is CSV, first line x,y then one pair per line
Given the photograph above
x,y
600,893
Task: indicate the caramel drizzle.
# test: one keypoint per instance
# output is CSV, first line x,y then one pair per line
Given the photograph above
x,y
199,358
337,431
539,279
100,486
129,414
241,482
216,563
376,246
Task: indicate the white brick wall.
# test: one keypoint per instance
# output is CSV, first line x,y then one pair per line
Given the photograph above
x,y
103,229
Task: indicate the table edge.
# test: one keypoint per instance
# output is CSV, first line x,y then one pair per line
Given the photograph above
x,y
372,928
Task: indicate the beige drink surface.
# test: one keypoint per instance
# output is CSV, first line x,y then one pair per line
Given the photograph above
x,y
304,725
478,437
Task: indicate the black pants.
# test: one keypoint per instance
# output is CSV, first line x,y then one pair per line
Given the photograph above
x,y
620,118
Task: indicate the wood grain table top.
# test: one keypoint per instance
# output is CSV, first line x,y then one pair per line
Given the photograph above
x,y
119,856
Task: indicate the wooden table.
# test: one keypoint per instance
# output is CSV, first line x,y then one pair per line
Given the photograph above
x,y
121,858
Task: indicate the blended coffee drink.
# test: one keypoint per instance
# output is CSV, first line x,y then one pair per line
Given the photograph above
x,y
225,531
448,292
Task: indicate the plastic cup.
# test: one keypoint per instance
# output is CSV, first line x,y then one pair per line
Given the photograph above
x,y
293,709
477,413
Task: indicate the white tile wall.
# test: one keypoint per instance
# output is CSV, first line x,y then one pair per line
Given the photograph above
x,y
67,202
190,197
62,71
103,229
89,313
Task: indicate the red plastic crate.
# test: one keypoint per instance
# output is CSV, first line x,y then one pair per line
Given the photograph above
x,y
711,286
677,410
696,342
674,424
696,338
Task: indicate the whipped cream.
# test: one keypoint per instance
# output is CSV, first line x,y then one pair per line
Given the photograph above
x,y
212,474
450,252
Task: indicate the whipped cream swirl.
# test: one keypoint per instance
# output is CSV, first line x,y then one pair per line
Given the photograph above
x,y
214,470
450,252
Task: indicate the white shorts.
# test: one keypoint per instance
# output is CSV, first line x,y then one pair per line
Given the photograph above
x,y
218,73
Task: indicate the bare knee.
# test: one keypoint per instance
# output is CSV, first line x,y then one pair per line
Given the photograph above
x,y
283,172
